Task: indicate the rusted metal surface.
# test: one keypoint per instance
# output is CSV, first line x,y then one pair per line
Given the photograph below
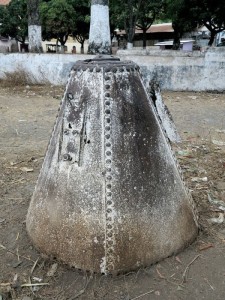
x,y
109,197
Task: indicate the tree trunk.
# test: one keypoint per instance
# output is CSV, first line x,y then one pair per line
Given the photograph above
x,y
99,36
212,37
144,38
82,48
57,43
34,27
177,37
176,43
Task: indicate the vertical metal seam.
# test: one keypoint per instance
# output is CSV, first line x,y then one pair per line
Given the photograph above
x,y
109,204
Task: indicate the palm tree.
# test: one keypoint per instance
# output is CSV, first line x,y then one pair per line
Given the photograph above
x,y
99,36
34,26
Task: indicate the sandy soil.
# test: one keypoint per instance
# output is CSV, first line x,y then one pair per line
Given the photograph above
x,y
27,115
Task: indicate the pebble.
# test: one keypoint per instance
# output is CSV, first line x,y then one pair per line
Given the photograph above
x,y
193,97
220,185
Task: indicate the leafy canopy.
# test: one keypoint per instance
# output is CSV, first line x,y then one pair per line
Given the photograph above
x,y
13,20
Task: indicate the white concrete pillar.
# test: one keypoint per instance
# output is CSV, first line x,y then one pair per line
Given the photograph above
x,y
99,36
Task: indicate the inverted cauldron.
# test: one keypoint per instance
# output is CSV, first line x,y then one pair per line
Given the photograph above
x,y
109,197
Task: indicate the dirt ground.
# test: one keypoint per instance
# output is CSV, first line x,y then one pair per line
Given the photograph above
x,y
27,114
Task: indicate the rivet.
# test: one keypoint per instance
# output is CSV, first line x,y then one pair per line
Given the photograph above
x,y
109,210
98,69
107,102
110,234
75,132
109,226
121,69
109,186
107,78
107,120
108,161
114,70
107,136
70,96
107,128
107,94
107,69
108,144
107,111
110,259
110,266
67,157
109,177
108,169
108,153
128,69
91,69
109,194
107,87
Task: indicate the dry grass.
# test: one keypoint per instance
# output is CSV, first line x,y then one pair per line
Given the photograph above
x,y
21,78
17,78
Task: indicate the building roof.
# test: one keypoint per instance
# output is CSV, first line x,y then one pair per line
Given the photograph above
x,y
4,2
164,27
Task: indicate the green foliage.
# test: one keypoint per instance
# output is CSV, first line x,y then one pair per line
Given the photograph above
x,y
134,13
81,31
182,18
58,19
210,13
148,12
124,15
13,20
61,18
187,14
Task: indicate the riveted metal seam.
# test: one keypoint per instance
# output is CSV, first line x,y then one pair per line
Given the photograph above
x,y
109,203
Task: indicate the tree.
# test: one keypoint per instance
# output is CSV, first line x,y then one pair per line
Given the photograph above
x,y
125,15
211,14
58,20
188,14
34,26
81,32
99,36
13,20
182,18
147,14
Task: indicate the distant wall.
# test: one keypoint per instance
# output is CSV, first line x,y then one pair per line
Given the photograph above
x,y
175,70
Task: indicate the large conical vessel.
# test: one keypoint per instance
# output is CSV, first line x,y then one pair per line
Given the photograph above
x,y
109,197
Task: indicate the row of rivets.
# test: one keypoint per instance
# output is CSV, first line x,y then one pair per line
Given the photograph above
x,y
113,68
109,204
87,68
